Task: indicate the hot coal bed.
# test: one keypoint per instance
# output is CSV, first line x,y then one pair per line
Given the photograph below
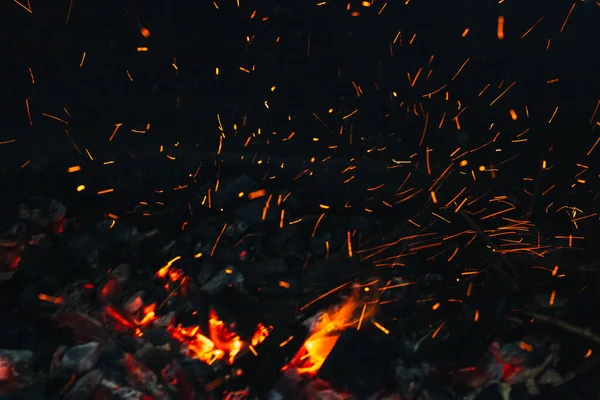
x,y
266,302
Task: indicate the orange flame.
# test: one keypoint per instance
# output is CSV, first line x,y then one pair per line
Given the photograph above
x,y
324,336
223,342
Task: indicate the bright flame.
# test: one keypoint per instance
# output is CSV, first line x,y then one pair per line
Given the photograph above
x,y
324,336
222,341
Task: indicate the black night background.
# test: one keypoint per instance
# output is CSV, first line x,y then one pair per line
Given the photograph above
x,y
398,169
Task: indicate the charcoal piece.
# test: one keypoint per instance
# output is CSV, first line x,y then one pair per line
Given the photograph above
x,y
42,240
81,358
410,377
175,376
261,372
134,303
249,248
157,336
42,211
168,249
83,251
10,233
357,364
17,358
15,370
207,271
138,375
55,365
228,277
236,229
119,392
34,391
83,328
9,261
114,284
85,386
166,320
156,357
77,295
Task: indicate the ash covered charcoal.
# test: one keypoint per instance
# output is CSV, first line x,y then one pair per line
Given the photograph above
x,y
47,213
9,261
227,277
85,386
77,359
15,370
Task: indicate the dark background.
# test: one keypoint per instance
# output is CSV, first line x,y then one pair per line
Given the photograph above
x,y
182,104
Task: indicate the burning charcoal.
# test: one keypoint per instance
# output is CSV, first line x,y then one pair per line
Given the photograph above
x,y
166,320
249,247
85,386
119,320
139,375
82,358
14,369
225,278
6,368
178,381
264,370
135,303
9,260
84,328
77,295
357,364
84,251
41,240
113,286
42,211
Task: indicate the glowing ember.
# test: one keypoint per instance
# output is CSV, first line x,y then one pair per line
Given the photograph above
x,y
198,345
223,337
